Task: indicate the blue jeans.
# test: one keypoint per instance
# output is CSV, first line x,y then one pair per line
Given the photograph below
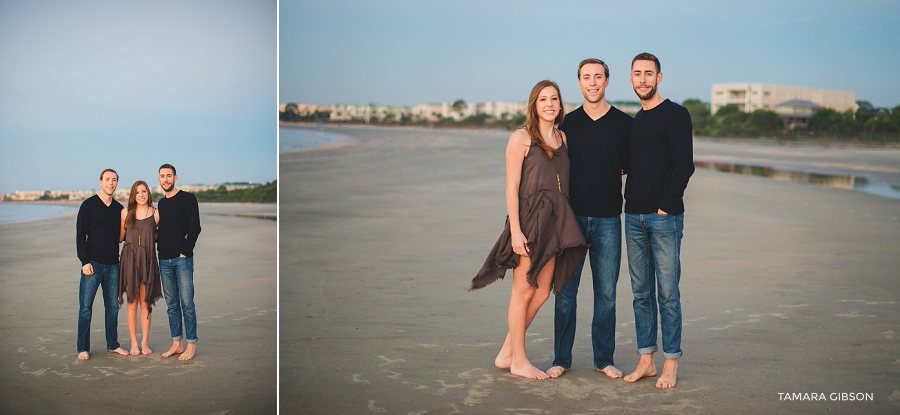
x,y
605,237
654,250
106,277
177,277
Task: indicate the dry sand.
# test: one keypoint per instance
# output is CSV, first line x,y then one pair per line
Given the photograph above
x,y
786,288
234,371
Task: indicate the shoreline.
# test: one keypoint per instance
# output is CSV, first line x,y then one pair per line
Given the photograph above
x,y
774,141
268,211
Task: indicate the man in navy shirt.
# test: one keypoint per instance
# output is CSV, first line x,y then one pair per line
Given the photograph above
x,y
598,136
179,226
97,243
660,166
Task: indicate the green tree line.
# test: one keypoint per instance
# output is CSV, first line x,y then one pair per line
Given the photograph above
x,y
866,123
267,193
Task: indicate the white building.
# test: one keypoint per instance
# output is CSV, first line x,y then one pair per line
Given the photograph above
x,y
427,112
749,97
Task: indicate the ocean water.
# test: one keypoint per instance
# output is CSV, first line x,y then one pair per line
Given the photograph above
x,y
16,212
302,138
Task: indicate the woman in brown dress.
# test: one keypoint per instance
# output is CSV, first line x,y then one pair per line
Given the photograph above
x,y
541,242
138,268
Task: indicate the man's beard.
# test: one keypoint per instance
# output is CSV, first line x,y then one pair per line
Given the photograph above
x,y
169,189
649,95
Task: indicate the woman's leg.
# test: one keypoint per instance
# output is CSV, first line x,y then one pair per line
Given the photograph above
x,y
523,295
145,321
504,358
131,319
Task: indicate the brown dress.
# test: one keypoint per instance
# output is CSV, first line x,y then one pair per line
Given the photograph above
x,y
138,264
546,219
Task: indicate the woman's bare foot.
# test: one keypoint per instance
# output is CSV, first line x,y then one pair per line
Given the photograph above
x,y
84,356
527,370
645,368
135,350
189,352
504,358
556,371
120,351
145,349
175,349
667,379
611,371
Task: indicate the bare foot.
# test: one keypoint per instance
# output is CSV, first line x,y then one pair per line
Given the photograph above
x,y
189,352
556,371
145,349
645,368
120,351
527,370
84,356
504,358
135,350
667,379
175,349
611,371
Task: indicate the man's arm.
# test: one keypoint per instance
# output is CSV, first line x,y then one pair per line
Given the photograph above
x,y
679,132
193,214
625,150
81,224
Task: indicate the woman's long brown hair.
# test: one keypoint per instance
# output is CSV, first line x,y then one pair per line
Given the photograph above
x,y
132,203
532,119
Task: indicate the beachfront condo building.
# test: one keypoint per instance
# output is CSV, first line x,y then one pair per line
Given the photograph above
x,y
784,100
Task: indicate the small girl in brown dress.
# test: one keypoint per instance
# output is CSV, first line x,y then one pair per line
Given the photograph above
x,y
138,268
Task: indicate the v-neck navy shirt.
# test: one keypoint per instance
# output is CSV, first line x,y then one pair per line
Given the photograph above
x,y
598,150
98,231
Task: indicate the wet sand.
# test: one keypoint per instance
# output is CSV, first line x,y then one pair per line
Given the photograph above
x,y
786,288
235,368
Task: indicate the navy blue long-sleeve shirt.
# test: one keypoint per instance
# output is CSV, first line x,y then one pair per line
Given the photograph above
x,y
97,229
662,160
598,150
179,216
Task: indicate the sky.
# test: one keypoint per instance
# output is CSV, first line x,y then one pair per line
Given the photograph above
x,y
87,85
407,52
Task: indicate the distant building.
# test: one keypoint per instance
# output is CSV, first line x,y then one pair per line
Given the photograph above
x,y
501,111
426,112
749,97
354,112
796,112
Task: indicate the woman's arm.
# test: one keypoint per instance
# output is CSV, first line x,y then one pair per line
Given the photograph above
x,y
122,225
516,150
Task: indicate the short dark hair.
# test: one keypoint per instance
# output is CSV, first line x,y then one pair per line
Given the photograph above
x,y
167,166
593,60
647,57
109,170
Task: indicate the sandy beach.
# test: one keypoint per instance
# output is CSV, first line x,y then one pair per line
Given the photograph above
x,y
234,371
787,288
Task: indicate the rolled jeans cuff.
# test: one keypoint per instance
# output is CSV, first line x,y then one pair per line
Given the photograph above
x,y
672,355
647,350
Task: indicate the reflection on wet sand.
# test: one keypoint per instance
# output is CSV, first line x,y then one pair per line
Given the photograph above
x,y
847,182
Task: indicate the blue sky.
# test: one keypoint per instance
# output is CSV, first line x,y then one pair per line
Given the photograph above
x,y
405,52
86,85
